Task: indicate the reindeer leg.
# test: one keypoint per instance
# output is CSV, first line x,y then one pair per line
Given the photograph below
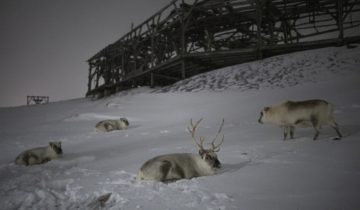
x,y
31,159
165,170
109,127
45,160
315,123
334,125
292,129
286,129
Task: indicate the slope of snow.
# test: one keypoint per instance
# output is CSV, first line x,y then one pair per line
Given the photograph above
x,y
278,71
260,170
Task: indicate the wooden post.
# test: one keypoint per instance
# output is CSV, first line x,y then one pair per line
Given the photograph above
x,y
183,45
340,21
184,24
123,62
152,56
98,72
89,78
285,23
183,70
258,25
271,21
152,79
135,53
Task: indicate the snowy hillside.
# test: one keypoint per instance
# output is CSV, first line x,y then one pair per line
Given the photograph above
x,y
278,71
260,170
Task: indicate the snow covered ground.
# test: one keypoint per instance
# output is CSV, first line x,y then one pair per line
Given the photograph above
x,y
260,170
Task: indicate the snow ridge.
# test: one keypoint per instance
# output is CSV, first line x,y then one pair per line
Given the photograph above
x,y
275,72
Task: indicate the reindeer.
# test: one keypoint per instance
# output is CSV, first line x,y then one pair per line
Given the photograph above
x,y
110,125
291,114
39,155
172,167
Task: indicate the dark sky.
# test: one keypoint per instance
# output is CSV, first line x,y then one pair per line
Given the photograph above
x,y
44,44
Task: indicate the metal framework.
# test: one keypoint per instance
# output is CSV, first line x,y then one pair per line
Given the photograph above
x,y
188,37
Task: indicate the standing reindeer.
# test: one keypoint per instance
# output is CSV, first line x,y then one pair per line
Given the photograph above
x,y
291,114
171,167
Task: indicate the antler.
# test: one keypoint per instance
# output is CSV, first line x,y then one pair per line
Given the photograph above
x,y
216,148
200,144
192,131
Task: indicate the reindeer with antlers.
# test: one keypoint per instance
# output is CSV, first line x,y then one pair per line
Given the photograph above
x,y
172,167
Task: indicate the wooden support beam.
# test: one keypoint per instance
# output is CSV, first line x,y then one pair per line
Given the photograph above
x,y
152,79
340,21
259,28
90,78
166,77
183,69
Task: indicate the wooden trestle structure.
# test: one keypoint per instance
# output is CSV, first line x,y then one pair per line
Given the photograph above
x,y
188,37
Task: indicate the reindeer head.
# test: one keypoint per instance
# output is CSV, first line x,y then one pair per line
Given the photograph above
x,y
56,147
264,115
209,155
125,121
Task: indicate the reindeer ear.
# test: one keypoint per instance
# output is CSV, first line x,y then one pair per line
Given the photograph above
x,y
266,109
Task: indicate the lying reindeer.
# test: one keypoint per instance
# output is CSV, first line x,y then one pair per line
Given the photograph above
x,y
110,125
39,155
172,167
293,114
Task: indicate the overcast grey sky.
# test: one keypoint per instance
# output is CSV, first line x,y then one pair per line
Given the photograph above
x,y
44,44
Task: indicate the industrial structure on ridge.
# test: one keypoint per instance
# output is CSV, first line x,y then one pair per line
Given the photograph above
x,y
188,37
